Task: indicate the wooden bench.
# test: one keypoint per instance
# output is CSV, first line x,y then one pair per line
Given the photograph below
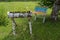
x,y
40,11
13,15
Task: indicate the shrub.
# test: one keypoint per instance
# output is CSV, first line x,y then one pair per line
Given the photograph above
x,y
3,17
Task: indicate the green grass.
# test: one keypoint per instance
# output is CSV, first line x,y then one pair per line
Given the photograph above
x,y
47,31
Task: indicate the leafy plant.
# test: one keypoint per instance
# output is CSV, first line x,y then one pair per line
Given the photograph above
x,y
3,17
48,3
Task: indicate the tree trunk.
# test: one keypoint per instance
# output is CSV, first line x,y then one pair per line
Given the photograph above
x,y
55,10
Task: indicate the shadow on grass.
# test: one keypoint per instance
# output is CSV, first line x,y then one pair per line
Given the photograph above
x,y
48,31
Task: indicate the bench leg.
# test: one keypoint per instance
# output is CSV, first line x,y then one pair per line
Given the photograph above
x,y
13,26
30,27
35,17
44,19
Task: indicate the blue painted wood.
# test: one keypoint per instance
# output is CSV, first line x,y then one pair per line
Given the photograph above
x,y
40,9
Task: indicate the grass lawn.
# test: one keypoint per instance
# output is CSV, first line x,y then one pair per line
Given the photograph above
x,y
47,31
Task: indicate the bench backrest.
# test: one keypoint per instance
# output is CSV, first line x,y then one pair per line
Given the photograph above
x,y
40,9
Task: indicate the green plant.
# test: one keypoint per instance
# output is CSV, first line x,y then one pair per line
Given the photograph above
x,y
3,17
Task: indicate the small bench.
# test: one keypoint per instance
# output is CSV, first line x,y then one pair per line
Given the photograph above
x,y
13,15
40,11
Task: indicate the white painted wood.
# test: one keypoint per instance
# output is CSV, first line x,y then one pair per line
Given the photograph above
x,y
13,27
11,15
55,18
30,27
44,19
35,18
16,15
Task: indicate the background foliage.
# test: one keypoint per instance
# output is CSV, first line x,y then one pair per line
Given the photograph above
x,y
48,3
